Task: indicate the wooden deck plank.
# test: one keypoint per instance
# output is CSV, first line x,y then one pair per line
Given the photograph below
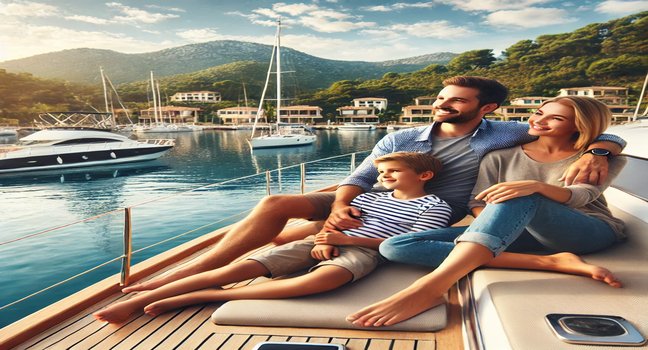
x,y
235,342
379,344
357,344
278,338
214,341
298,339
112,335
92,328
319,340
404,345
133,339
342,341
426,345
450,337
193,333
159,335
253,341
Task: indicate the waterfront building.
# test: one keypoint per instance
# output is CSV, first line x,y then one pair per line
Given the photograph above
x,y
196,96
353,114
615,97
169,114
420,112
378,102
519,109
300,114
239,115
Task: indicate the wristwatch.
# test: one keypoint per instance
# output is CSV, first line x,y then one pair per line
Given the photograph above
x,y
599,152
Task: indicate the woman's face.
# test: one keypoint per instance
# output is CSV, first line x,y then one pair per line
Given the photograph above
x,y
554,120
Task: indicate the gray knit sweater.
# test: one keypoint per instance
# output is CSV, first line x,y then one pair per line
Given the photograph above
x,y
512,164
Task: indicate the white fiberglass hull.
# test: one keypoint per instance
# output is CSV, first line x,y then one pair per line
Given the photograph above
x,y
274,141
360,127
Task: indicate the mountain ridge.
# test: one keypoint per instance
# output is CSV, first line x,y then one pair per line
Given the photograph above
x,y
81,65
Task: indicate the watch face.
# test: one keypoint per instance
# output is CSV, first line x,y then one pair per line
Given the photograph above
x,y
599,152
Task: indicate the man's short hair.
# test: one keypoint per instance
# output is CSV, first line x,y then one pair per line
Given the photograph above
x,y
419,162
490,90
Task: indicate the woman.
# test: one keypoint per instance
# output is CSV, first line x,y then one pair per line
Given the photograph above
x,y
518,188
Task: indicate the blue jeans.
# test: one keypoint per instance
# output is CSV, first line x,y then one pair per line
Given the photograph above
x,y
555,226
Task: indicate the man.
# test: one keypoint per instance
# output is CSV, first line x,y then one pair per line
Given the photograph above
x,y
459,137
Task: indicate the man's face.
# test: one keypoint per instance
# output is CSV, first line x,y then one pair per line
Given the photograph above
x,y
457,104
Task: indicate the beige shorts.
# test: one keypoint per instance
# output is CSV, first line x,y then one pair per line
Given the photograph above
x,y
295,256
322,202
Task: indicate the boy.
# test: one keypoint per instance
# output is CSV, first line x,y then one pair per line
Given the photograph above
x,y
335,259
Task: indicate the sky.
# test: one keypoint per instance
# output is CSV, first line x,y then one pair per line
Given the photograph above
x,y
359,30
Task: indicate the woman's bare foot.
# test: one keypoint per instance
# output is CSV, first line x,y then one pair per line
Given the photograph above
x,y
575,265
115,313
396,308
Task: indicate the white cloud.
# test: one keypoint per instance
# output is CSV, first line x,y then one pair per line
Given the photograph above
x,y
44,39
382,34
89,19
618,7
399,6
28,9
532,17
267,12
378,8
172,9
434,29
135,15
491,5
294,9
323,25
200,35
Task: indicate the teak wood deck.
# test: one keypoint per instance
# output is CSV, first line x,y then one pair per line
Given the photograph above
x,y
64,326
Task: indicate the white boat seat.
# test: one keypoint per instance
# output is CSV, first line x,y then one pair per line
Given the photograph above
x,y
328,310
512,304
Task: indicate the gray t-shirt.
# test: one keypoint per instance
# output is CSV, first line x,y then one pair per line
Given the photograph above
x,y
512,164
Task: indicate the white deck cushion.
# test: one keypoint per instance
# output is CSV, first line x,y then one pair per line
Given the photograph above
x,y
328,310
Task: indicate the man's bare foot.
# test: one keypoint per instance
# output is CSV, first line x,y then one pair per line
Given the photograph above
x,y
115,313
161,306
573,264
396,308
159,281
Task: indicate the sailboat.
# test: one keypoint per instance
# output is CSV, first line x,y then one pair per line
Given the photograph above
x,y
281,136
159,125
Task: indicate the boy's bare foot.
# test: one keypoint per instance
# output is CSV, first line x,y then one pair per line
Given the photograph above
x,y
573,264
115,313
396,308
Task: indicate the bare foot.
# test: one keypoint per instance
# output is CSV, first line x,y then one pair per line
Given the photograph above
x,y
115,313
396,308
160,307
159,281
573,264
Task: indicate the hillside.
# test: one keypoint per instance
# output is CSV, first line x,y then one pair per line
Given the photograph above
x,y
82,65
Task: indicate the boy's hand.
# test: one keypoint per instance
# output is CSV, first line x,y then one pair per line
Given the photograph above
x,y
343,218
332,238
324,252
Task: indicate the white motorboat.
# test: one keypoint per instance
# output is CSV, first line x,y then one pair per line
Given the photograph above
x,y
67,148
161,127
8,132
280,137
357,126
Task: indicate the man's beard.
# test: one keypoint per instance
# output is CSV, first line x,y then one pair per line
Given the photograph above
x,y
462,117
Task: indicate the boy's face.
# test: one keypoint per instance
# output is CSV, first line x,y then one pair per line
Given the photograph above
x,y
395,175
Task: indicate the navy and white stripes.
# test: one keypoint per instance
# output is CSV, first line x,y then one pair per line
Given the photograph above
x,y
384,216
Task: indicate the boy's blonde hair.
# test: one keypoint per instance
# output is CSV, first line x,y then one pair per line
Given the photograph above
x,y
419,162
592,117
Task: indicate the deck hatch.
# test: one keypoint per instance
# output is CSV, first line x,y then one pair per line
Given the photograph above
x,y
594,329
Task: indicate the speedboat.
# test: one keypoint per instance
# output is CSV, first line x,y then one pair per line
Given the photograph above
x,y
8,132
357,126
67,148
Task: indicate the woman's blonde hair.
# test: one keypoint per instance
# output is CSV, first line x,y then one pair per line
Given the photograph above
x,y
592,117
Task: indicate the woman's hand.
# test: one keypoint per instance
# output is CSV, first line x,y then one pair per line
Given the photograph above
x,y
324,252
508,190
332,238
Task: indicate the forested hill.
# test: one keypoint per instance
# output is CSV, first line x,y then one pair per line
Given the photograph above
x,y
611,54
603,54
82,65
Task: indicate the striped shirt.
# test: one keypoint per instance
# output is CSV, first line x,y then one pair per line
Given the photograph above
x,y
384,216
455,190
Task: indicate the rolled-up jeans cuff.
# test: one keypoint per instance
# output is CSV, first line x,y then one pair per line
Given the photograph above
x,y
492,243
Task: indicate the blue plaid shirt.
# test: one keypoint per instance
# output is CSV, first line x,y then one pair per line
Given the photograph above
x,y
489,136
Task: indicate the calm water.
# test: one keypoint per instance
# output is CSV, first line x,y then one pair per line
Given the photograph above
x,y
168,197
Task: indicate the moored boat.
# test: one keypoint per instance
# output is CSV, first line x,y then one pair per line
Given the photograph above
x,y
69,148
357,126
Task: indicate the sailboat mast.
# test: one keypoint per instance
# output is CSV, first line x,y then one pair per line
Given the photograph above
x,y
157,85
278,73
265,88
105,91
155,106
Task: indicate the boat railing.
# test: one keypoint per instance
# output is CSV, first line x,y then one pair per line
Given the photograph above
x,y
279,180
